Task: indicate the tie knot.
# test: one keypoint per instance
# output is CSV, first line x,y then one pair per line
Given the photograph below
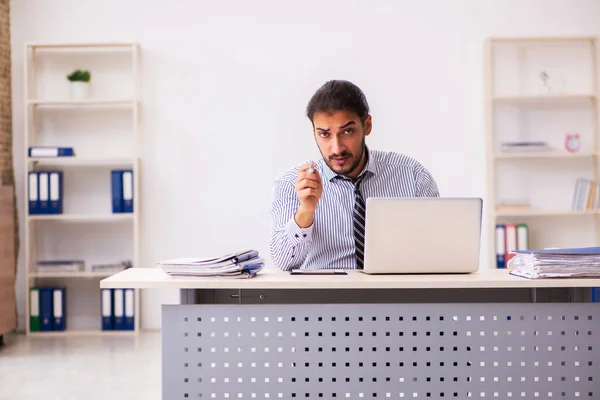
x,y
356,182
359,180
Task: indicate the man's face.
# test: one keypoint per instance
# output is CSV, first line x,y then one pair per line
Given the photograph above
x,y
341,140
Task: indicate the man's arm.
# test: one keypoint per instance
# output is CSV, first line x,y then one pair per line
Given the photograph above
x,y
289,243
426,186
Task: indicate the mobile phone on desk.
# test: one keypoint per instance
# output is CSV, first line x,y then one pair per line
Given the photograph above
x,y
317,272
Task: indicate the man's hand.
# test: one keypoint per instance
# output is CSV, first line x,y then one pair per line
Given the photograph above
x,y
308,189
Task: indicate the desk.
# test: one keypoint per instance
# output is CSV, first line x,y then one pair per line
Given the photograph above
x,y
483,335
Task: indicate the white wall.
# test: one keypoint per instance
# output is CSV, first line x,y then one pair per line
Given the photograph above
x,y
225,85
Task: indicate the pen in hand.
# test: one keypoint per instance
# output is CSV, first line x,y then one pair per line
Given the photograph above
x,y
308,187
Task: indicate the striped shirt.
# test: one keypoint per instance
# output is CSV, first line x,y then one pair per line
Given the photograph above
x,y
329,241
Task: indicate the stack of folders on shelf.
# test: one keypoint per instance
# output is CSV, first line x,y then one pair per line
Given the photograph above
x,y
510,237
524,146
50,152
45,192
47,309
582,262
59,265
112,267
49,266
243,264
118,309
122,190
586,195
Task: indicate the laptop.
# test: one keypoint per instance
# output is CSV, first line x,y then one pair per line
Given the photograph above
x,y
422,235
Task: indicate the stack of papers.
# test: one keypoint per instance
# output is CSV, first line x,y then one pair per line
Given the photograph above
x,y
243,264
47,266
580,262
525,146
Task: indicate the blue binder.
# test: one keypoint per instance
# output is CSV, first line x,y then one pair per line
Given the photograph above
x,y
56,192
33,193
500,246
44,192
106,305
596,295
119,309
129,309
127,191
46,309
116,185
58,307
50,151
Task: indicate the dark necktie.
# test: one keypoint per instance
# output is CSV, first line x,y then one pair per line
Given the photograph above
x,y
359,224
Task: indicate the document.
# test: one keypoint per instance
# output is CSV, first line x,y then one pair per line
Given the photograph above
x,y
578,262
242,264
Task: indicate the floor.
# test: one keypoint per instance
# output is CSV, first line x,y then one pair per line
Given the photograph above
x,y
81,367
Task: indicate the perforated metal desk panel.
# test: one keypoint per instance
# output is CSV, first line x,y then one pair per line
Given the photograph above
x,y
486,335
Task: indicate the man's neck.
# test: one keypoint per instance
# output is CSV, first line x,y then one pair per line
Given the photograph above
x,y
361,165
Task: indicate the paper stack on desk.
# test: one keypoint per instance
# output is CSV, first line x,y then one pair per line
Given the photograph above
x,y
580,262
243,264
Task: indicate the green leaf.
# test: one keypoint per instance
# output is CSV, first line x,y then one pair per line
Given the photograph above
x,y
79,76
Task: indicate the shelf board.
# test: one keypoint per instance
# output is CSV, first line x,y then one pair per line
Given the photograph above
x,y
82,46
545,213
85,102
541,39
83,217
82,161
68,274
543,99
543,154
92,332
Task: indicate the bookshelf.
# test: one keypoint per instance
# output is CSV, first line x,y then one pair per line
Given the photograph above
x,y
538,90
103,129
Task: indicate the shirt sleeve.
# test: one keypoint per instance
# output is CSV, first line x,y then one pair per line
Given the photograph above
x,y
426,186
289,243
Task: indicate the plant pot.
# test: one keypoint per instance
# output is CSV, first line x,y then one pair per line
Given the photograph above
x,y
80,90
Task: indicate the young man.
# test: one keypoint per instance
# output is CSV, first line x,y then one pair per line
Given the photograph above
x,y
318,209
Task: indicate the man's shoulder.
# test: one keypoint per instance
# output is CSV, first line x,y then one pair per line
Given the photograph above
x,y
288,175
392,159
291,174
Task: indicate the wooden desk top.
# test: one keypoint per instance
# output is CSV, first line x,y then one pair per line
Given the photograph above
x,y
272,278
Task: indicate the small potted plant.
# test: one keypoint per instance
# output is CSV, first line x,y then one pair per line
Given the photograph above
x,y
80,84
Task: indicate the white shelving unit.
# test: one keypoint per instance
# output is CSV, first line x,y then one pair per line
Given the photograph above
x,y
104,131
520,106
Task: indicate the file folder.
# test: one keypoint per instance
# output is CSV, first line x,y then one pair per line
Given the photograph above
x,y
34,309
45,309
128,191
129,309
107,310
49,151
44,193
116,182
522,237
58,305
118,303
33,193
511,240
56,192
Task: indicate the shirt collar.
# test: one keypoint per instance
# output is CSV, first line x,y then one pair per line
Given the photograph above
x,y
370,168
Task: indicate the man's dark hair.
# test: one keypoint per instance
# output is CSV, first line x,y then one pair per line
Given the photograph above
x,y
338,95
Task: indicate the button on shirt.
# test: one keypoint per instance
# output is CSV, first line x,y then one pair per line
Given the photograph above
x,y
329,242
